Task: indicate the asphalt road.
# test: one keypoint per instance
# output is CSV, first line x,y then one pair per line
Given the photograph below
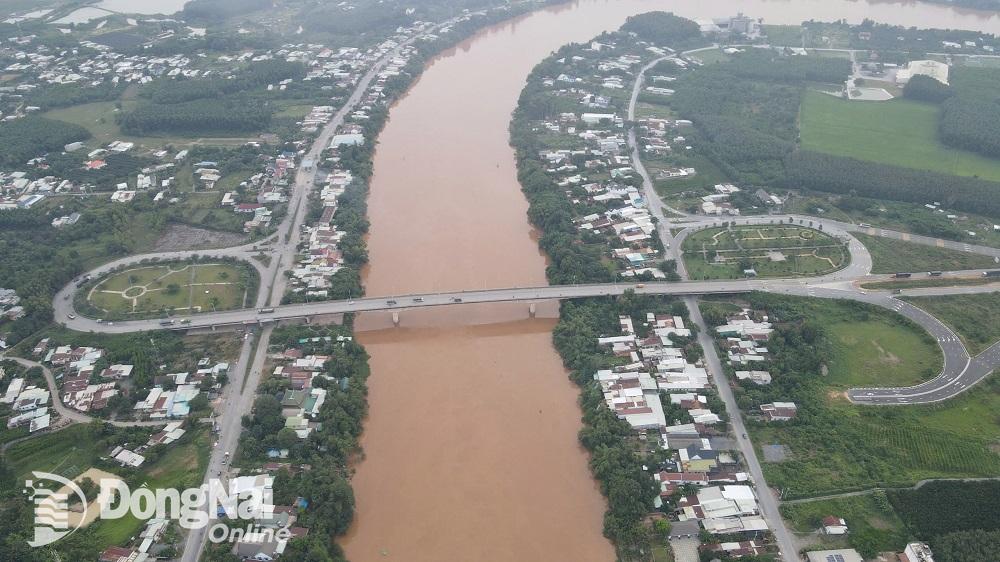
x,y
768,502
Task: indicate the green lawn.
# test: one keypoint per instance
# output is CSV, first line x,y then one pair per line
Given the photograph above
x,y
891,256
898,132
975,318
773,251
182,287
879,352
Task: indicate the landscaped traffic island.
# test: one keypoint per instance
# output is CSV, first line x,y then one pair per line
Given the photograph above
x,y
166,289
778,250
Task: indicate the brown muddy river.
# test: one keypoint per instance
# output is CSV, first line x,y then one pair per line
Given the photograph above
x,y
470,446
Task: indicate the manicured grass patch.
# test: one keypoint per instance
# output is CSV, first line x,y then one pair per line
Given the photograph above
x,y
975,318
880,352
892,256
898,132
177,287
872,523
772,251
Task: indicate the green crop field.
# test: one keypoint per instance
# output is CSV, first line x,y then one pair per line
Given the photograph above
x,y
772,251
178,287
898,132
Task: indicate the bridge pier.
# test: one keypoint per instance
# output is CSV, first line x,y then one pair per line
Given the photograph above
x,y
532,309
308,319
395,319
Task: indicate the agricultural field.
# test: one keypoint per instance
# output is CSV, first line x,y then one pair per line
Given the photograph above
x,y
975,318
892,256
182,288
898,132
772,251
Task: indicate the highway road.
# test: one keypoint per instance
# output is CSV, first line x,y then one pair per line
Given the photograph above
x,y
238,396
960,371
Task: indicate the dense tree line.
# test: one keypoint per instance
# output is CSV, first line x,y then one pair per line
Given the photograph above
x,y
36,260
775,66
550,210
939,508
204,116
614,462
663,28
970,119
219,10
118,168
746,109
966,546
65,95
925,88
255,75
895,38
746,127
326,487
971,123
836,174
26,138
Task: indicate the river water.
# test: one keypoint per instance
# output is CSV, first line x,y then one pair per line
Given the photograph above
x,y
470,445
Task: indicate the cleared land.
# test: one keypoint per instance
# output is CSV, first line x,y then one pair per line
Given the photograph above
x,y
873,524
898,132
178,287
975,318
879,352
772,251
892,256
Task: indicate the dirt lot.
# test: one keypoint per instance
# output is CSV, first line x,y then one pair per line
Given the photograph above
x,y
182,237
